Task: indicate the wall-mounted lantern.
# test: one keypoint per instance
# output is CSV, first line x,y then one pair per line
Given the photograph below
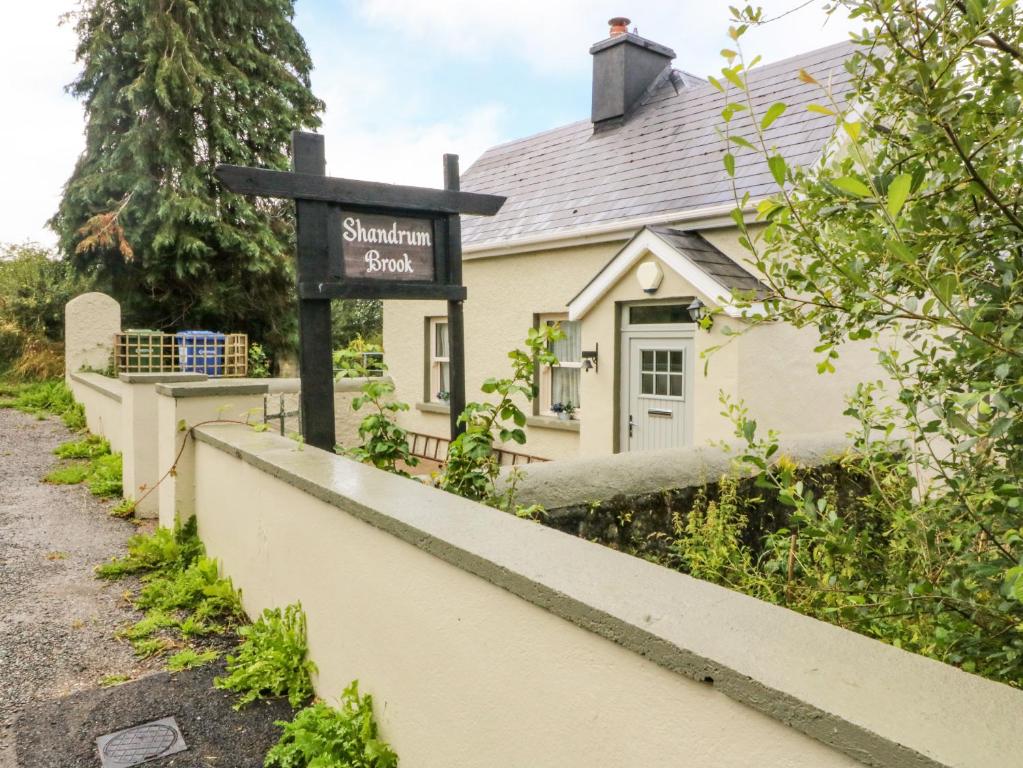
x,y
649,276
697,310
590,358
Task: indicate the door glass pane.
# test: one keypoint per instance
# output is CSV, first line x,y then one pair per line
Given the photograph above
x,y
676,361
647,387
662,360
661,384
676,386
648,359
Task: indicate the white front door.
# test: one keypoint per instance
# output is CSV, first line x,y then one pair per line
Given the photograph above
x,y
657,391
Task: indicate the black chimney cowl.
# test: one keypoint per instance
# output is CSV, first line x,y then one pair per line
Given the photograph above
x,y
624,66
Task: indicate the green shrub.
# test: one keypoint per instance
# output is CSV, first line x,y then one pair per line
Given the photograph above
x,y
161,550
47,397
359,358
72,474
197,590
190,659
259,362
34,287
104,478
325,737
124,508
384,441
88,448
472,469
272,659
182,590
101,474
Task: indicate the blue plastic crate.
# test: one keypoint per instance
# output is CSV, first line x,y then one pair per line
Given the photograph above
x,y
201,352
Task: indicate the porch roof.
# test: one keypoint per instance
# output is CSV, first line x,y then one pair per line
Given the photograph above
x,y
708,269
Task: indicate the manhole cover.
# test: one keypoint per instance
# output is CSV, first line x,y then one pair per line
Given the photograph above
x,y
140,743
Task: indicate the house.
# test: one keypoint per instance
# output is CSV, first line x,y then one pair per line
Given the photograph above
x,y
618,227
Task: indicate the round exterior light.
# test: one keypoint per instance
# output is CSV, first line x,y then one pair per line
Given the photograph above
x,y
649,276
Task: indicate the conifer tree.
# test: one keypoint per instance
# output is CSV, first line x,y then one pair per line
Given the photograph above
x,y
172,88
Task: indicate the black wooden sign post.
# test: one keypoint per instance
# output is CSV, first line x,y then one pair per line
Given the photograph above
x,y
365,240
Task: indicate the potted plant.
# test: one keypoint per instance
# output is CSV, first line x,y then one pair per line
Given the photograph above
x,y
444,396
569,410
558,409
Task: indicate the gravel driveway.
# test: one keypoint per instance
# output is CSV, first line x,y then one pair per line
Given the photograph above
x,y
57,621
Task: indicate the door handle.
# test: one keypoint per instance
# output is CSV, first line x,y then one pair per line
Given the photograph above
x,y
631,425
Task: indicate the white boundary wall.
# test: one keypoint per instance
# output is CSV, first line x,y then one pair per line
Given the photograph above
x,y
102,398
492,641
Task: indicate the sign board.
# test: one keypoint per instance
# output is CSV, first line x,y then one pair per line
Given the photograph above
x,y
365,240
383,247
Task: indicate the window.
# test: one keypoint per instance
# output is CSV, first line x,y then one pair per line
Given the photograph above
x,y
440,361
662,372
658,314
560,383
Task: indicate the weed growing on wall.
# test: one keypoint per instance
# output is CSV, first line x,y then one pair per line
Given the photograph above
x,y
90,447
42,398
104,477
72,474
101,470
272,659
124,508
321,735
162,550
189,658
472,469
182,595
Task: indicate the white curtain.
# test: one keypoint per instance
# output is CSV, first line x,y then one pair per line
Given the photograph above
x,y
565,381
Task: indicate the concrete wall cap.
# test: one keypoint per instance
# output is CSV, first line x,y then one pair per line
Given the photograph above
x,y
292,385
97,381
571,482
161,378
874,702
214,388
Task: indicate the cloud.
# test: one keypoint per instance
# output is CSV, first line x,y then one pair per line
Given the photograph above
x,y
409,154
379,126
383,120
555,36
42,129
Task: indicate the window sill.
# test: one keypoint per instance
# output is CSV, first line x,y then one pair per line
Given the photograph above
x,y
433,407
552,422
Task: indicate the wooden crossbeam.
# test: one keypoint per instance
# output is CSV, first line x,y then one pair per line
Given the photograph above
x,y
366,194
368,290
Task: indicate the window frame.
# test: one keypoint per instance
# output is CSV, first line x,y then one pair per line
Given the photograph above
x,y
434,361
546,382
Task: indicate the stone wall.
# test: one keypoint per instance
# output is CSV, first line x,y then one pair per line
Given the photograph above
x,y
633,502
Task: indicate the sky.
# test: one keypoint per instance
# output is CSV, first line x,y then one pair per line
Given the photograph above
x,y
404,81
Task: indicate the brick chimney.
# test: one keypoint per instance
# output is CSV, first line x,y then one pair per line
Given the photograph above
x,y
624,66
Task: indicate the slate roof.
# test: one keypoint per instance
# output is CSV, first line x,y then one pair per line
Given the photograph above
x,y
711,260
665,158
